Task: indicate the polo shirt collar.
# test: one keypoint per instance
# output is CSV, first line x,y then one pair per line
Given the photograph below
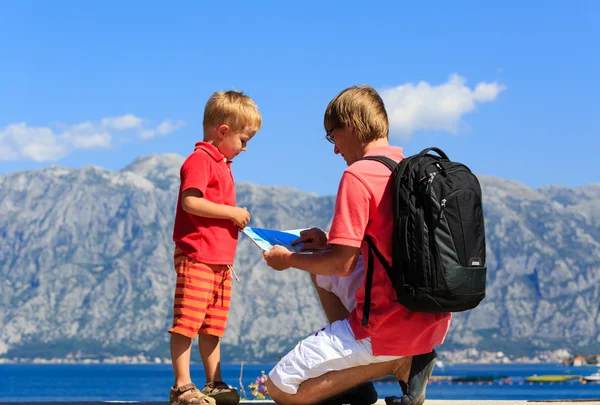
x,y
380,150
212,151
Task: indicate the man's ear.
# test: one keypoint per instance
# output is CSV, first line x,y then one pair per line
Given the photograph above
x,y
222,130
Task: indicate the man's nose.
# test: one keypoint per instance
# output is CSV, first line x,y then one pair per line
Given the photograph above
x,y
336,150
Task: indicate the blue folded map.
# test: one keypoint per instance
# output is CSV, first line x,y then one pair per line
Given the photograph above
x,y
267,238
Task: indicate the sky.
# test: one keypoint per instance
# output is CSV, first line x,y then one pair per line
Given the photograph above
x,y
509,88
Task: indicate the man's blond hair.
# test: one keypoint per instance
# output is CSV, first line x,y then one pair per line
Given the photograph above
x,y
362,108
232,108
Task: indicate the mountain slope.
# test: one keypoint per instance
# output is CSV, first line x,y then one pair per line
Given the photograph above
x,y
86,266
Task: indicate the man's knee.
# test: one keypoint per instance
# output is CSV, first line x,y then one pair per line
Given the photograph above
x,y
277,395
283,398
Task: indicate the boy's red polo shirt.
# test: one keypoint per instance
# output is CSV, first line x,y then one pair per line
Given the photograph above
x,y
207,240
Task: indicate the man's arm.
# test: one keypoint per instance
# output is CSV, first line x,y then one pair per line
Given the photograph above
x,y
349,223
339,261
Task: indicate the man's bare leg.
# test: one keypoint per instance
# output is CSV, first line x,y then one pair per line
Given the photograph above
x,y
336,311
331,303
335,382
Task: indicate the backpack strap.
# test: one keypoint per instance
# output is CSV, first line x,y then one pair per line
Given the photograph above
x,y
397,169
369,276
391,164
434,149
368,285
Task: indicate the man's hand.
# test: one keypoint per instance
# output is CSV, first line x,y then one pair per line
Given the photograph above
x,y
312,239
277,258
240,217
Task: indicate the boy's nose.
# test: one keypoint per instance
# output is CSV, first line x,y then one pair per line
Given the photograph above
x,y
336,150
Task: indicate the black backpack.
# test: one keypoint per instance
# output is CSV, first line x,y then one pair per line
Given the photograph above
x,y
438,245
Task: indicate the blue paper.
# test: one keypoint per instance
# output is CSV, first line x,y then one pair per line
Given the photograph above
x,y
267,238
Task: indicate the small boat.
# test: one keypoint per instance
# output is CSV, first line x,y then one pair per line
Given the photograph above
x,y
592,377
552,378
440,378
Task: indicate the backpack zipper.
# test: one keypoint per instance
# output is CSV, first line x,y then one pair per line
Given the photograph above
x,y
422,213
433,264
429,181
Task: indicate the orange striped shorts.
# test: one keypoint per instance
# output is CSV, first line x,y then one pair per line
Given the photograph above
x,y
202,297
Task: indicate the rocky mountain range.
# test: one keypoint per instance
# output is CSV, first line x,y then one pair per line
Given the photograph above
x,y
86,266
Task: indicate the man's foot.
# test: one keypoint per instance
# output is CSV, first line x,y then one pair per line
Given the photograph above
x,y
420,371
364,394
221,393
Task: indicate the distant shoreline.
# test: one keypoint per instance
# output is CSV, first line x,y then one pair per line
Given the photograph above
x,y
109,361
168,361
467,356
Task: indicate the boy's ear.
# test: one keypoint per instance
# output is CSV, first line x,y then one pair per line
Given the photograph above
x,y
222,130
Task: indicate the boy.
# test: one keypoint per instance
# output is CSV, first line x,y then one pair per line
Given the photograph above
x,y
205,235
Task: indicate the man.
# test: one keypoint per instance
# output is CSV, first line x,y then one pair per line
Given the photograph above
x,y
347,353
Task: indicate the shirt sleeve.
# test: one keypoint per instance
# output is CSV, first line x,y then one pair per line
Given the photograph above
x,y
351,215
195,172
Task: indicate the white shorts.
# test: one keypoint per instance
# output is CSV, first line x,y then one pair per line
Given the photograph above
x,y
330,349
345,287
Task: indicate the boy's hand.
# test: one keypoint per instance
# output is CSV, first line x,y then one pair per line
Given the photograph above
x,y
313,239
240,217
277,258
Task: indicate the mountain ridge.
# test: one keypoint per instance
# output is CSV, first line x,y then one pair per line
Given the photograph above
x,y
86,265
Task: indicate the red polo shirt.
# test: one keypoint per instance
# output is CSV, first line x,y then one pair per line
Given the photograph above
x,y
207,240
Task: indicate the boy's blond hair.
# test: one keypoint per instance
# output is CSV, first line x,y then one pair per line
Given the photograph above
x,y
359,107
232,108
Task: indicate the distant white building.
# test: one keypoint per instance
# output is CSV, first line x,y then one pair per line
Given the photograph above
x,y
579,361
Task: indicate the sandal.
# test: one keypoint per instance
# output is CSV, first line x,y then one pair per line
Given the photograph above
x,y
189,394
221,393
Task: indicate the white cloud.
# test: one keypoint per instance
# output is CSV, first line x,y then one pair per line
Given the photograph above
x,y
87,135
164,128
102,140
148,133
423,106
128,121
22,142
486,92
18,141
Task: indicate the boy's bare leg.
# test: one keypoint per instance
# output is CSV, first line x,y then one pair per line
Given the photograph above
x,y
180,357
210,352
335,382
332,305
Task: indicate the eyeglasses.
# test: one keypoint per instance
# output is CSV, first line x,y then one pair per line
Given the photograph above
x,y
329,137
